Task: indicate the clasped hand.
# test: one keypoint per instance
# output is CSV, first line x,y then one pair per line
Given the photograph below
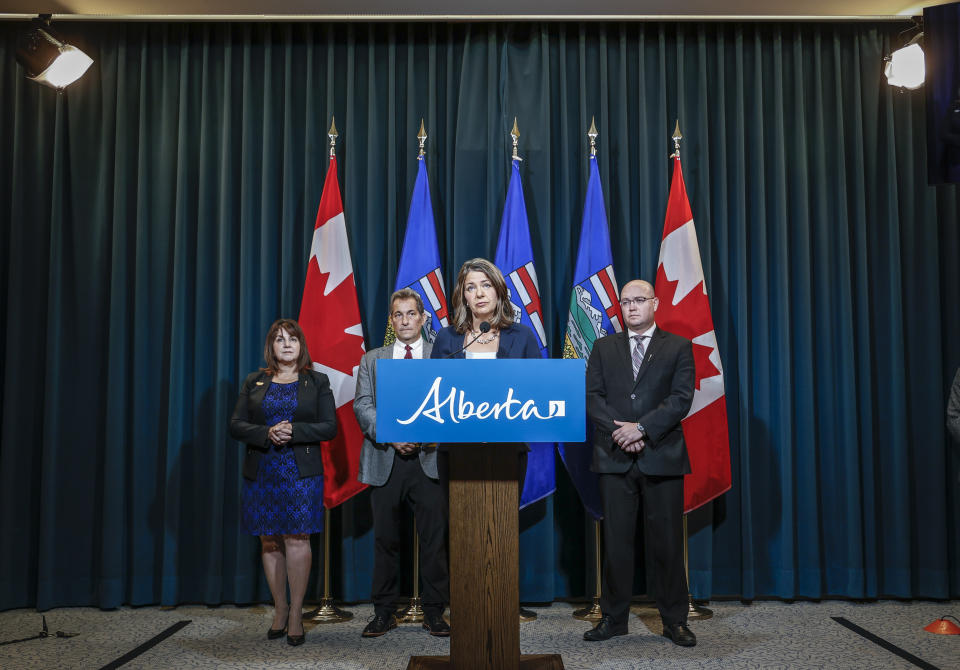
x,y
405,448
629,437
280,433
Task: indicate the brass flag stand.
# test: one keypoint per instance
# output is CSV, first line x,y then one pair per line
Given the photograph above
x,y
327,612
414,611
694,611
593,613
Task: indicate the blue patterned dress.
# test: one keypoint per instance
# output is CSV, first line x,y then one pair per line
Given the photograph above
x,y
280,501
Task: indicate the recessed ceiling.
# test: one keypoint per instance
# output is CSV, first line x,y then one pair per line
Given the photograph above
x,y
445,9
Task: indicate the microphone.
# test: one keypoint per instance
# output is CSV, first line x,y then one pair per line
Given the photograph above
x,y
484,328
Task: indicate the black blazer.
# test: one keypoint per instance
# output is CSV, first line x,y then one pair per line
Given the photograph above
x,y
314,421
516,341
658,400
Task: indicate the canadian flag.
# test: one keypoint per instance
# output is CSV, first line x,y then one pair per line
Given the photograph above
x,y
330,318
684,310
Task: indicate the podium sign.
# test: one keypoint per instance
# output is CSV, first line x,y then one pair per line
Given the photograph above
x,y
502,400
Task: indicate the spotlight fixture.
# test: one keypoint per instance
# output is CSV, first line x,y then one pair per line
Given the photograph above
x,y
905,67
47,59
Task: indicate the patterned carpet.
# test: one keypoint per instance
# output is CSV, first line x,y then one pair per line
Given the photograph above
x,y
759,635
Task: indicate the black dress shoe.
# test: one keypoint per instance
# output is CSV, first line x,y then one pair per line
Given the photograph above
x,y
527,615
680,634
276,633
381,624
605,630
435,624
296,640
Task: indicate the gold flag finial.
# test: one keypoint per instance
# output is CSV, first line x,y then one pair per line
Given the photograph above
x,y
333,135
676,141
422,136
592,134
515,136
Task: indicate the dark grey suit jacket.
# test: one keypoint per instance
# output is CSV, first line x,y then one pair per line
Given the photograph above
x,y
376,460
659,399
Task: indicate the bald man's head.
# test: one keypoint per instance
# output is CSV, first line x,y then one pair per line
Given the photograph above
x,y
638,304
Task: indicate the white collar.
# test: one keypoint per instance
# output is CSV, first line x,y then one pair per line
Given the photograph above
x,y
400,349
647,333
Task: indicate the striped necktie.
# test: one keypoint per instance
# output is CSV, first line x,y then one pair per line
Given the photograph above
x,y
637,355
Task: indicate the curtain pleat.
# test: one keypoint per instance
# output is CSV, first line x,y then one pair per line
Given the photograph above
x,y
157,216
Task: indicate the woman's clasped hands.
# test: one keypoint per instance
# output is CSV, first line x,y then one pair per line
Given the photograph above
x,y
280,433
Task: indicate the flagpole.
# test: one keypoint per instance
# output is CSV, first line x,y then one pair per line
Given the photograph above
x,y
327,612
593,613
413,613
694,611
592,134
515,136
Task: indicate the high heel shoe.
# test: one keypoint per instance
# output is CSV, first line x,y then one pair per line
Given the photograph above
x,y
276,633
296,640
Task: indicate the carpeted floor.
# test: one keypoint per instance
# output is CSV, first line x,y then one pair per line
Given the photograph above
x,y
760,635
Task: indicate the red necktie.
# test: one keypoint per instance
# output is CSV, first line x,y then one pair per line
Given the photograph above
x,y
409,353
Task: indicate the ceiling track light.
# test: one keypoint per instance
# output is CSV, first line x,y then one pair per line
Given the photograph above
x,y
47,59
906,66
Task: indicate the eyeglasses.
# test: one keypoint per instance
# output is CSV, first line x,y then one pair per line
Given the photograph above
x,y
626,302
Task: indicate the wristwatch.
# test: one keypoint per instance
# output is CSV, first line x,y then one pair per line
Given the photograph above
x,y
641,429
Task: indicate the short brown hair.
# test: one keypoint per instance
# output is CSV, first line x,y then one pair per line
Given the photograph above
x,y
292,328
503,314
405,294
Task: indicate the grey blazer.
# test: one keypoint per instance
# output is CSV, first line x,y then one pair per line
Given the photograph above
x,y
376,460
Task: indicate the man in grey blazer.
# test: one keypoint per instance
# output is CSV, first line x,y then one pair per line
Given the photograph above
x,y
639,387
402,473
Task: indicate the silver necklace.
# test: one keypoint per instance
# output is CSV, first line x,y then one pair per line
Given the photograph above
x,y
480,340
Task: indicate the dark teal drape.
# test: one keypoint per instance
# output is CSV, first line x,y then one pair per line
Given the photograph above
x,y
157,216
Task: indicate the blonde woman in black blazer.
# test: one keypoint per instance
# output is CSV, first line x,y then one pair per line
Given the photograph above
x,y
284,412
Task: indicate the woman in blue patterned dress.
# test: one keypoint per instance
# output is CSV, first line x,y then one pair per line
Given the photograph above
x,y
284,412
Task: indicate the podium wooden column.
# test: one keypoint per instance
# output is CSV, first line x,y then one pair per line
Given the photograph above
x,y
484,551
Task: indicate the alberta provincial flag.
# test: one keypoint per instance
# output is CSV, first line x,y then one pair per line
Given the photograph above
x,y
684,310
330,318
419,267
594,312
514,258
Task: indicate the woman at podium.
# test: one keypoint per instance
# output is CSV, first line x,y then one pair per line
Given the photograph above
x,y
482,323
483,327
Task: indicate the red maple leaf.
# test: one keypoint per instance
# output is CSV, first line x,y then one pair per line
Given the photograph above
x,y
704,366
690,317
324,318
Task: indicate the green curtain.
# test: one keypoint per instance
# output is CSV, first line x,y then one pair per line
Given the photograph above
x,y
156,217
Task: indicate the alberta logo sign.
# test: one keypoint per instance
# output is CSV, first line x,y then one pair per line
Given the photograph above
x,y
447,401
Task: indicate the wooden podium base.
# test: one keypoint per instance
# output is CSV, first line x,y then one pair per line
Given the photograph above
x,y
484,555
527,662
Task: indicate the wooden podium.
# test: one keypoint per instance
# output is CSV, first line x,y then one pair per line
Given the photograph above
x,y
484,581
502,403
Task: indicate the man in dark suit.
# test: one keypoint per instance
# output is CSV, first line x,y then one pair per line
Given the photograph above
x,y
402,472
639,387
